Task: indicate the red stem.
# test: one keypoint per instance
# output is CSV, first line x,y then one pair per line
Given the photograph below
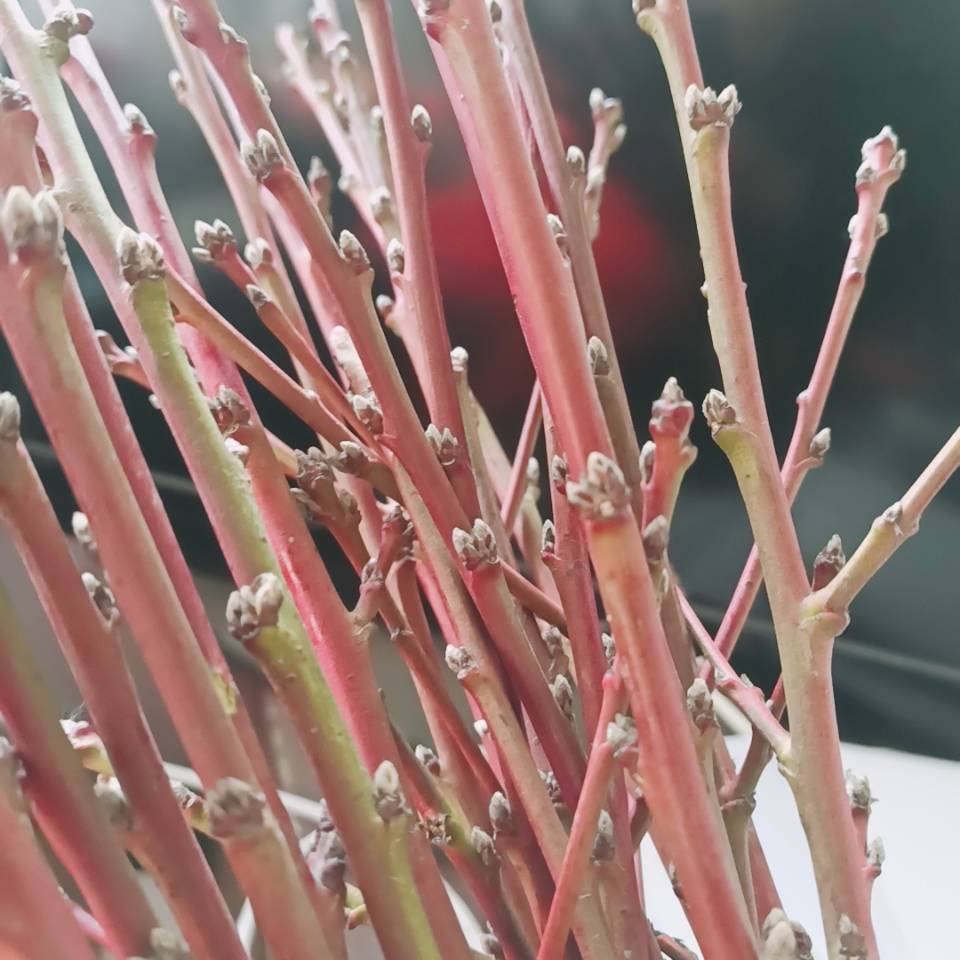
x,y
36,920
517,486
572,877
60,793
94,654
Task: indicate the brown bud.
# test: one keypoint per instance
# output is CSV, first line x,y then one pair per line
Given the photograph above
x,y
32,225
598,358
656,536
387,792
67,22
603,843
576,161
368,413
229,411
828,563
548,539
9,418
562,691
396,256
459,661
621,732
820,444
427,759
236,809
102,597
421,123
215,240
140,257
602,492
648,454
445,445
858,791
706,108
559,472
700,705
254,606
718,411
351,250
483,845
476,547
12,96
262,157
501,816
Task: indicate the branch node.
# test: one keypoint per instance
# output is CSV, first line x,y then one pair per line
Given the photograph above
x,y
262,156
445,445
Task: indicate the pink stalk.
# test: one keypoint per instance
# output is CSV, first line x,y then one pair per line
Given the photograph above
x,y
60,793
546,304
741,428
517,487
567,183
473,855
596,784
36,333
146,316
129,143
882,165
197,312
748,699
346,277
21,124
36,920
406,141
482,683
94,654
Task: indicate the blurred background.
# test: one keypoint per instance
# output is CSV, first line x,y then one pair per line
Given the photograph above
x,y
816,79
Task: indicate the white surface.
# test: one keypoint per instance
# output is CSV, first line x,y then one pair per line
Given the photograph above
x,y
915,814
913,901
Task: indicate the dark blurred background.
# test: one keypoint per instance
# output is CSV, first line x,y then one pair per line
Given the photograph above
x,y
816,78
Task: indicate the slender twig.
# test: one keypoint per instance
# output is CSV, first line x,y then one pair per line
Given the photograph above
x,y
740,426
93,652
880,169
518,473
571,879
463,43
37,920
60,794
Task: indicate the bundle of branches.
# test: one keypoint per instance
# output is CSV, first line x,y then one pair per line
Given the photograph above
x,y
588,678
